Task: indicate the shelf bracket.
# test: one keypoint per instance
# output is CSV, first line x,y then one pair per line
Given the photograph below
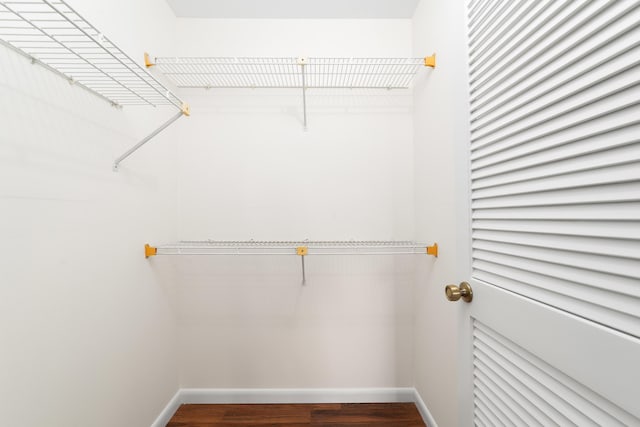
x,y
433,250
184,111
302,251
430,61
147,61
150,251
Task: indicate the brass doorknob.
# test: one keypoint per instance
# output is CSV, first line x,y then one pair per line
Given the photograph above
x,y
454,293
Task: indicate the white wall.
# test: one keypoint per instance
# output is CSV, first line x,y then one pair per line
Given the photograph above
x,y
92,333
293,37
248,170
441,129
87,335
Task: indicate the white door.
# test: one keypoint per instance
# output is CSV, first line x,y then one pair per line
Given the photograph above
x,y
553,330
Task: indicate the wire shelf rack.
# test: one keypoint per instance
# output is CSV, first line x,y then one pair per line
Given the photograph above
x,y
292,72
301,248
53,34
308,247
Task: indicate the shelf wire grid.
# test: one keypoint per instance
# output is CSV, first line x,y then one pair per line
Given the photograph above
x,y
284,247
260,72
51,33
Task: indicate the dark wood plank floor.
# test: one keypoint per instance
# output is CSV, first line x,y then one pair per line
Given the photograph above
x,y
299,415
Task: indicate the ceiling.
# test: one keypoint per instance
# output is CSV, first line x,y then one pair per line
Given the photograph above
x,y
294,9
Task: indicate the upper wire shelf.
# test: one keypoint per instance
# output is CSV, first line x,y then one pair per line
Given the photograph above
x,y
292,72
51,33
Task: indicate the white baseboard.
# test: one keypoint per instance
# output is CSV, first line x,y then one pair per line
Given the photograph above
x,y
168,411
306,395
424,411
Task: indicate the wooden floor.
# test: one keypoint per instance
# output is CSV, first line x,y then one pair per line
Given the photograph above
x,y
299,415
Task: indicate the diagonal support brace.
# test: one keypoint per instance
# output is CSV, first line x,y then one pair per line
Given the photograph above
x,y
184,111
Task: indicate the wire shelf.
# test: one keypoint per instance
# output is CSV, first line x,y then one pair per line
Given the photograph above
x,y
268,247
254,72
51,33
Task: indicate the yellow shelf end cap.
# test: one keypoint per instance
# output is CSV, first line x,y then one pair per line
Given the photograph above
x,y
433,250
147,60
150,251
186,110
430,61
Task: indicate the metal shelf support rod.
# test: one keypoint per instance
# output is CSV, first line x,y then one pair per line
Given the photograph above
x,y
304,104
302,251
116,163
302,61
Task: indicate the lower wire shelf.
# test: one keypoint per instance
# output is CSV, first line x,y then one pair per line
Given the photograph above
x,y
300,248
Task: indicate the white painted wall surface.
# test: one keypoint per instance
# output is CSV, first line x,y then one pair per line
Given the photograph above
x,y
441,137
87,334
293,37
248,170
92,333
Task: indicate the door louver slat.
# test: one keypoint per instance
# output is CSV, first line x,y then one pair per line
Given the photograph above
x,y
508,376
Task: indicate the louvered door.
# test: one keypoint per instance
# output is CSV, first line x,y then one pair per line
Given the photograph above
x,y
555,198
